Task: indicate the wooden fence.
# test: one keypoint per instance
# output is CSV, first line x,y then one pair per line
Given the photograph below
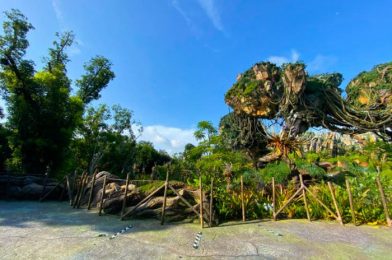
x,y
80,183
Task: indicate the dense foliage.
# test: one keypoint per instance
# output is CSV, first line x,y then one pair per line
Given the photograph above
x,y
43,113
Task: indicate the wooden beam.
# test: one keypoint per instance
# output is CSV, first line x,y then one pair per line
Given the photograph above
x,y
211,201
242,199
164,198
84,183
335,203
320,202
69,190
90,197
51,190
288,202
79,189
184,200
273,199
201,203
384,201
142,201
304,197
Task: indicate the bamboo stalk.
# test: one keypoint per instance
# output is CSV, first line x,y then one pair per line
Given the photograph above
x,y
242,199
304,197
103,195
273,199
201,203
350,198
124,204
211,201
141,202
90,198
335,203
164,199
384,201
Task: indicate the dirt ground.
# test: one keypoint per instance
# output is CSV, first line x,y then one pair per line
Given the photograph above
x,y
53,230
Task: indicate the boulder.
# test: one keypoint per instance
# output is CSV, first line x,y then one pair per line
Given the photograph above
x,y
32,191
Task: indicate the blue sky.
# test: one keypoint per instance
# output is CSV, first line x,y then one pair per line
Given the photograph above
x,y
175,59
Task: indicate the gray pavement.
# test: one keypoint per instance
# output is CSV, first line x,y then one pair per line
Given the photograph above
x,y
53,230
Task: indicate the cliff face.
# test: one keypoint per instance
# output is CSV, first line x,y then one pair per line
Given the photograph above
x,y
337,144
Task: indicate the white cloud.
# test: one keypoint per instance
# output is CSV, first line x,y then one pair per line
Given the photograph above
x,y
321,63
58,13
279,60
177,6
211,11
171,139
75,48
208,7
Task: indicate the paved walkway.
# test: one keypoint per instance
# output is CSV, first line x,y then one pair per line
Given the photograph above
x,y
52,230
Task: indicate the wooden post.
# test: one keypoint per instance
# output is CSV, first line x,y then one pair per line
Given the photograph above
x,y
335,203
242,199
273,199
384,201
201,203
69,190
164,198
304,197
103,195
90,197
350,198
211,201
124,204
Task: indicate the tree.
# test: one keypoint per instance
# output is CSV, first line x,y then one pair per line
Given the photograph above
x,y
42,112
205,130
147,157
105,140
5,150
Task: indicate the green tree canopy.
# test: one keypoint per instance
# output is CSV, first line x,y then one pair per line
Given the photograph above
x,y
43,113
